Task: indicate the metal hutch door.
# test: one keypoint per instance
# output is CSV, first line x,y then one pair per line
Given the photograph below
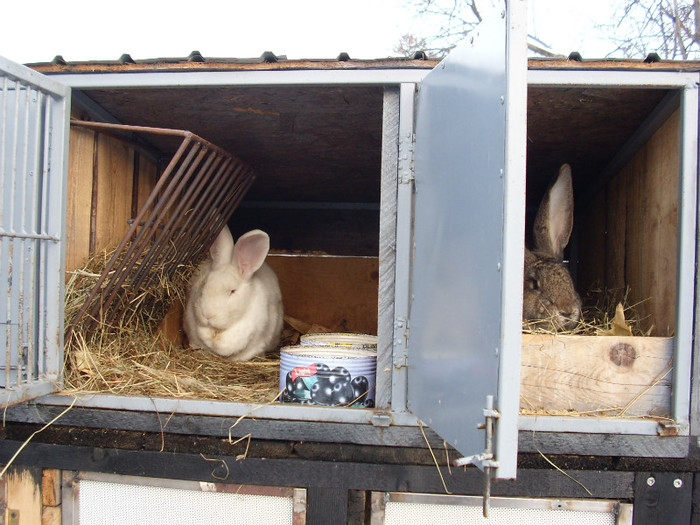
x,y
465,320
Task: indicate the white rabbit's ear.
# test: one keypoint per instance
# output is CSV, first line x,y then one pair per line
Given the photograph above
x,y
222,250
250,252
555,217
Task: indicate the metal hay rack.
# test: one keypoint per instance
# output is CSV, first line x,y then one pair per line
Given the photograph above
x,y
192,200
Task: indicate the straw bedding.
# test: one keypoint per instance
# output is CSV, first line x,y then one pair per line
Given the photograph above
x,y
131,357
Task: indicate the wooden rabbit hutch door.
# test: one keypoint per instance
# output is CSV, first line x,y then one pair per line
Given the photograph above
x,y
630,144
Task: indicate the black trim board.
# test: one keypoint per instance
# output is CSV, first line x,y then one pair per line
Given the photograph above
x,y
324,432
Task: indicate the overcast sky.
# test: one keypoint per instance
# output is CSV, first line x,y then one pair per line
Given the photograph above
x,y
99,30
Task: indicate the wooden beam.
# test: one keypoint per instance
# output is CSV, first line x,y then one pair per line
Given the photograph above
x,y
628,376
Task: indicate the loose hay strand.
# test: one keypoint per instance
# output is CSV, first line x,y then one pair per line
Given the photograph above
x,y
47,425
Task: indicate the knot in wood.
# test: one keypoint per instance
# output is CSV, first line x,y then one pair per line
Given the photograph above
x,y
623,354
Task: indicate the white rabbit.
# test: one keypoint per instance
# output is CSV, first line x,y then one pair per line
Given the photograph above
x,y
548,291
234,305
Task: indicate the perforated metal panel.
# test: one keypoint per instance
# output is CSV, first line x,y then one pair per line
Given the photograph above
x,y
106,503
400,508
402,513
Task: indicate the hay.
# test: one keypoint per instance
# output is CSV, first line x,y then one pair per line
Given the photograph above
x,y
131,357
598,316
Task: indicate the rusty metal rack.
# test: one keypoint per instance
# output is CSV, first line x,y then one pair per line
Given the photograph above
x,y
191,202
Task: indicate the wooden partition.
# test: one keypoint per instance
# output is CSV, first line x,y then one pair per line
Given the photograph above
x,y
629,231
108,181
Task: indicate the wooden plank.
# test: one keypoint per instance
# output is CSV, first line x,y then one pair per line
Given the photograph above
x,y
114,181
590,270
51,488
51,516
148,176
80,161
171,325
24,493
615,213
340,293
325,474
642,225
628,376
656,279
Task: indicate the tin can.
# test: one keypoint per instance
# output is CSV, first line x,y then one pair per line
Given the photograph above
x,y
346,340
328,376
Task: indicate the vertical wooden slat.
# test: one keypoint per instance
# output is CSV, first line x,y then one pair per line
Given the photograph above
x,y
115,164
80,162
148,175
652,228
591,237
616,238
24,493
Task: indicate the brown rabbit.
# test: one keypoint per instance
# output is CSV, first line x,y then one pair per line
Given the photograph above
x,y
548,291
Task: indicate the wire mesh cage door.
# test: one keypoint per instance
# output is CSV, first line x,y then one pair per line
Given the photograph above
x,y
33,160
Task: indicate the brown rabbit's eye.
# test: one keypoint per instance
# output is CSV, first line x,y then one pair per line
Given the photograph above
x,y
532,284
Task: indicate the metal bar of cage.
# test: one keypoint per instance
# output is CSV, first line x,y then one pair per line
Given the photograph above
x,y
192,200
33,153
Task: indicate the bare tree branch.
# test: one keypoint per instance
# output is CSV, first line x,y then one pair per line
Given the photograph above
x,y
668,27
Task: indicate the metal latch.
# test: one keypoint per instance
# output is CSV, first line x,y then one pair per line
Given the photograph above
x,y
484,461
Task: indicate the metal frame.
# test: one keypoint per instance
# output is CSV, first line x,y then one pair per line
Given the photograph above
x,y
621,511
71,480
241,78
684,82
687,85
33,229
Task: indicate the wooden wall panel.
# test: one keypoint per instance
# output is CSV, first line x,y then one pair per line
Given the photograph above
x,y
114,186
80,169
590,271
652,225
148,176
339,293
639,243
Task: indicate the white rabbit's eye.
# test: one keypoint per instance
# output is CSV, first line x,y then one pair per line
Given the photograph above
x,y
231,292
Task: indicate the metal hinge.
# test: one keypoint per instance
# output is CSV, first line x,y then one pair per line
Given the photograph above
x,y
485,461
406,151
400,342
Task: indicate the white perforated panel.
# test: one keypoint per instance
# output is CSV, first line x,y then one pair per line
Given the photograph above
x,y
400,513
102,503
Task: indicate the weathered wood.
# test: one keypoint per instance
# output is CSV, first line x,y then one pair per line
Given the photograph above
x,y
171,325
324,474
24,492
652,223
114,167
334,433
340,293
590,263
639,243
51,488
628,376
82,143
51,516
148,176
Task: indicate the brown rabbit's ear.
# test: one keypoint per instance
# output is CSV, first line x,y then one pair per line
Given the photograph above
x,y
221,250
555,216
250,252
